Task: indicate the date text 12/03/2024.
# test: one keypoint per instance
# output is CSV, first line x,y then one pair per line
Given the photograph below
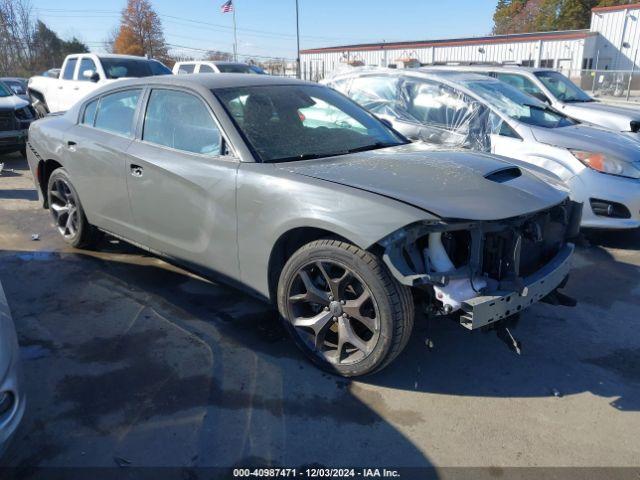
x,y
315,473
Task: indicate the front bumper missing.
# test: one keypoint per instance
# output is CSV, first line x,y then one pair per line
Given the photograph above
x,y
488,309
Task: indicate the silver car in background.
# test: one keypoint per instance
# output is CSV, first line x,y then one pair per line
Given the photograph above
x,y
601,167
557,90
12,402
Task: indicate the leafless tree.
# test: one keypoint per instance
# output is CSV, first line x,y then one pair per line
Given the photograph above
x,y
16,27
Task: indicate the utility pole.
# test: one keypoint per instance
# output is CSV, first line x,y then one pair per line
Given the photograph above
x,y
235,36
633,71
298,72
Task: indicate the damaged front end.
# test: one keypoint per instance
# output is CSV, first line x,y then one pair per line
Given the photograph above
x,y
487,271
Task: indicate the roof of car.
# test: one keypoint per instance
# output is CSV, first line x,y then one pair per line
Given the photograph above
x,y
451,75
486,68
455,76
116,55
216,81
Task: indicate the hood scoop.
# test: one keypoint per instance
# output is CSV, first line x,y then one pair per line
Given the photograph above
x,y
504,175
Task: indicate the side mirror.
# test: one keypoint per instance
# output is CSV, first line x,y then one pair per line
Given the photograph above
x,y
91,75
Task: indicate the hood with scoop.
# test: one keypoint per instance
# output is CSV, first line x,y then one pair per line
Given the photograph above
x,y
458,185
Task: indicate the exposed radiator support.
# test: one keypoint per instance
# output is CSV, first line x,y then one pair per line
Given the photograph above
x,y
457,290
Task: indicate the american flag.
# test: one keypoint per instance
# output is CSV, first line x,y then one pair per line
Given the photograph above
x,y
227,6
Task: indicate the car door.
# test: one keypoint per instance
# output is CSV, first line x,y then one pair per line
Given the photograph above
x,y
96,150
182,181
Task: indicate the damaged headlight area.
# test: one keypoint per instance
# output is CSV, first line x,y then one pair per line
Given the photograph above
x,y
484,272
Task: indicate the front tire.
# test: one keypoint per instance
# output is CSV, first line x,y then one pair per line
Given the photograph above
x,y
343,308
67,213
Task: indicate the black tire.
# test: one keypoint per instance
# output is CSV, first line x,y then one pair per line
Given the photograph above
x,y
391,304
78,233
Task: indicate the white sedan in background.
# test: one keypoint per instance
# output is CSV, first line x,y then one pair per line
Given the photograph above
x,y
601,167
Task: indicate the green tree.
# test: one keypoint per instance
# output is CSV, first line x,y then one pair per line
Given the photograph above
x,y
49,51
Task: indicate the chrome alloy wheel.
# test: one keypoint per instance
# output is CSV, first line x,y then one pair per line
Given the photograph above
x,y
64,208
334,312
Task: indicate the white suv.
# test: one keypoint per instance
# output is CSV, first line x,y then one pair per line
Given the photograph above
x,y
207,66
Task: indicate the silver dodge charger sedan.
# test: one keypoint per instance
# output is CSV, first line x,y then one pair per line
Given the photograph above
x,y
300,196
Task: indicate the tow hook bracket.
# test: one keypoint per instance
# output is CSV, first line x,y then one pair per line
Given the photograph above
x,y
557,298
505,335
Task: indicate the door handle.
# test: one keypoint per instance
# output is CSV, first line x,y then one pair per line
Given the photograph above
x,y
71,145
136,170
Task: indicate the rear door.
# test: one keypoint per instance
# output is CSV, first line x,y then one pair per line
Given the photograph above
x,y
182,181
96,148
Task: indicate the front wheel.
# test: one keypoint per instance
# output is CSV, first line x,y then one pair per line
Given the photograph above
x,y
67,213
343,308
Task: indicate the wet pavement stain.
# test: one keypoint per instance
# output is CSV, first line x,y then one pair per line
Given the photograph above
x,y
624,362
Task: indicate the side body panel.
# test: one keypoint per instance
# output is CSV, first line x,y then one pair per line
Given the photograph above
x,y
272,202
185,205
97,165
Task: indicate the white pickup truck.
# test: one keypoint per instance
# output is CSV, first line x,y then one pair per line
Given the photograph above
x,y
83,73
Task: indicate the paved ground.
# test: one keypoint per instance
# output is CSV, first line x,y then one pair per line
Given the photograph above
x,y
129,359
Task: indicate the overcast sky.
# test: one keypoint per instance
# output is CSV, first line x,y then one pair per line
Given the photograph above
x,y
267,27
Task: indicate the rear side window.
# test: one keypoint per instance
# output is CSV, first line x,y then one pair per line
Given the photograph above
x,y
186,68
206,69
116,111
89,116
69,69
182,121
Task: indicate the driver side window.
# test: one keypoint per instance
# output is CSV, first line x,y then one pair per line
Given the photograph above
x,y
181,121
523,84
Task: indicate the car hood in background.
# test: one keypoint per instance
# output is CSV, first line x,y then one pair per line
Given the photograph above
x,y
13,102
591,139
449,184
617,117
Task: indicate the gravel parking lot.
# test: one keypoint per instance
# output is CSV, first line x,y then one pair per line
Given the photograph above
x,y
130,361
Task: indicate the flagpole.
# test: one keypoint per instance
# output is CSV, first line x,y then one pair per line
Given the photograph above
x,y
235,35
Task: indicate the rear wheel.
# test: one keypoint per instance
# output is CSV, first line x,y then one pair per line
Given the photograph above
x,y
67,213
343,308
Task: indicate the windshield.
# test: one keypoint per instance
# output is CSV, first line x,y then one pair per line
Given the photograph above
x,y
563,88
128,67
517,105
4,91
297,122
234,68
17,87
